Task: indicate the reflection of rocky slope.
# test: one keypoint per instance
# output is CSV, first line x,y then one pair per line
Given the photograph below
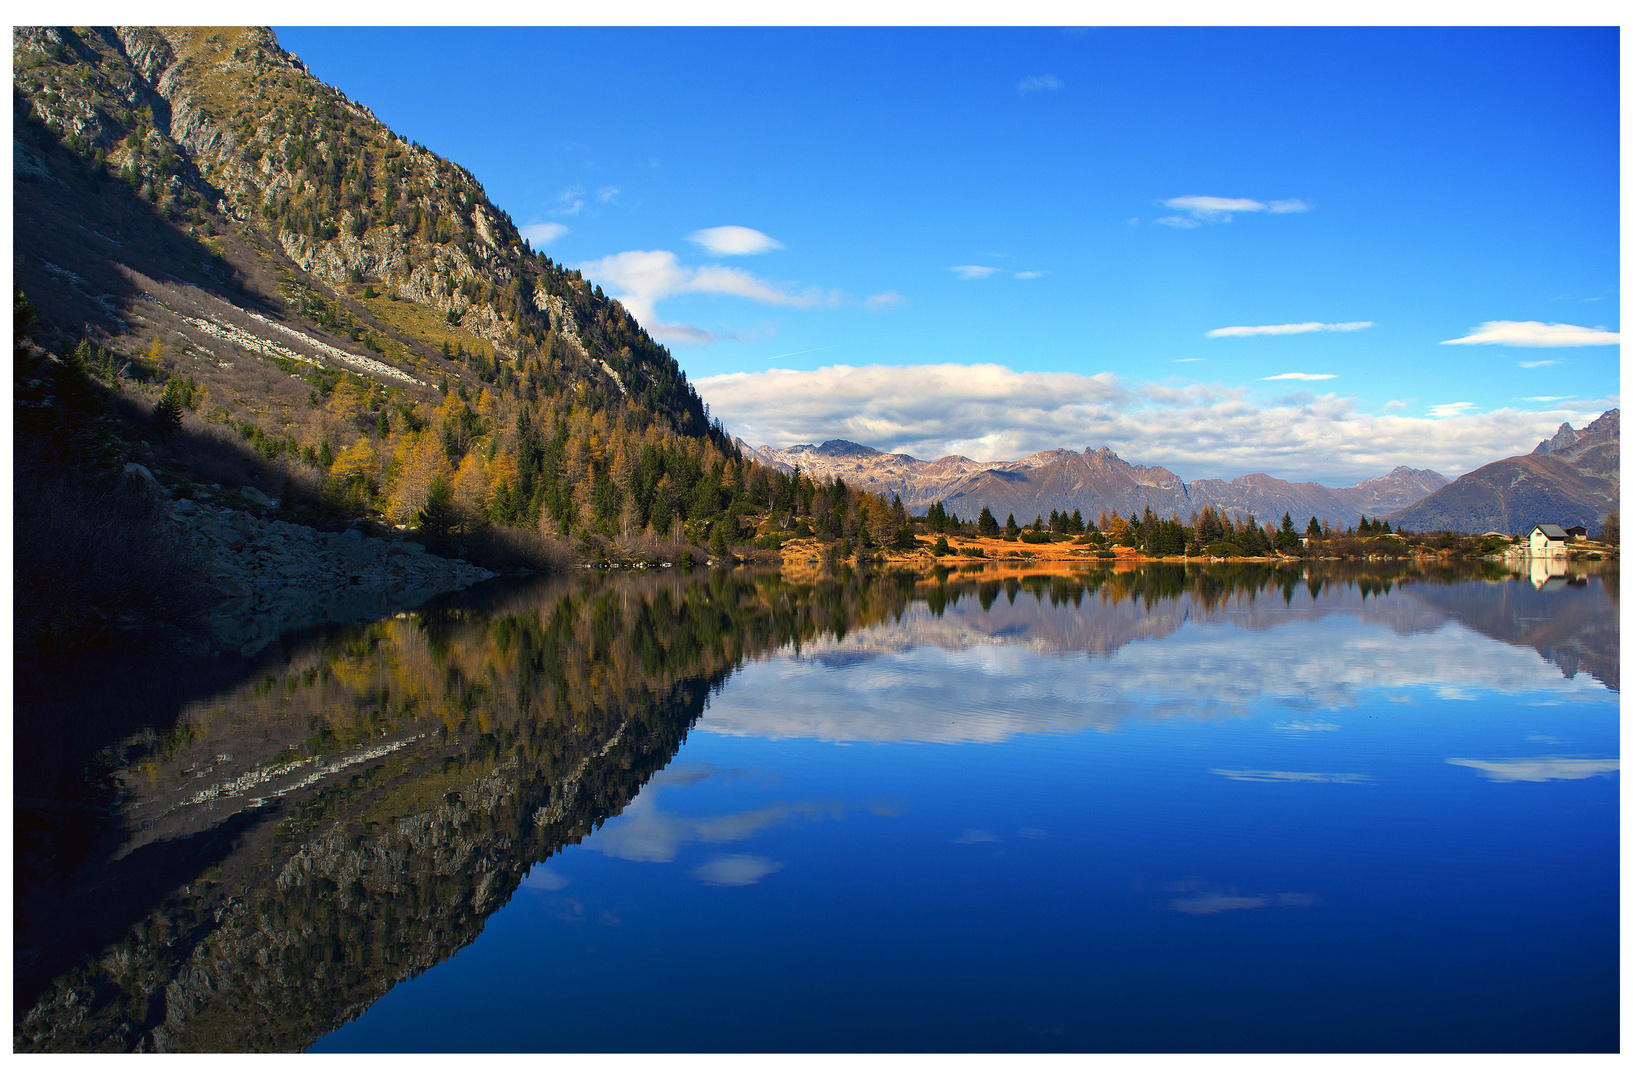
x,y
1575,478
1092,481
291,849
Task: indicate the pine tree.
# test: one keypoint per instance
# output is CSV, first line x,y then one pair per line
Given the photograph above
x,y
1286,537
167,411
1313,530
439,516
986,524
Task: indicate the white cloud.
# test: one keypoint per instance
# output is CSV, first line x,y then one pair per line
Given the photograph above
x,y
1034,83
1451,408
1212,205
1212,209
1187,360
570,201
1396,403
732,870
1288,328
1300,376
733,240
991,413
1544,398
1540,363
1536,335
974,273
640,279
541,233
886,300
606,194
1537,770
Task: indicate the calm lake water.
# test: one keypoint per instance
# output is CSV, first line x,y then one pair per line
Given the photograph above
x,y
1237,809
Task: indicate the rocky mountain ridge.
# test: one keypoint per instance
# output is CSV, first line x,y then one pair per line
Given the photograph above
x,y
221,129
1573,478
1091,481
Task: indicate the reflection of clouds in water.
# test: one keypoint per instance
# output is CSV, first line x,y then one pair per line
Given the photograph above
x,y
1302,727
545,879
977,836
696,773
735,870
645,833
986,692
1209,899
1214,903
1539,769
1268,776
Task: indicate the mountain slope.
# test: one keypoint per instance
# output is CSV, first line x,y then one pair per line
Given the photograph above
x,y
219,129
342,317
1573,478
1092,481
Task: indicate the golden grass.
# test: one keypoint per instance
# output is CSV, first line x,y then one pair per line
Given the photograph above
x,y
420,323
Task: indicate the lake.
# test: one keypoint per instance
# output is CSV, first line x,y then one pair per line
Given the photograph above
x,y
1352,807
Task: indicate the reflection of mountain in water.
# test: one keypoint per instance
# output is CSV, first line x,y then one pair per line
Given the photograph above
x,y
1099,612
1571,621
351,811
291,849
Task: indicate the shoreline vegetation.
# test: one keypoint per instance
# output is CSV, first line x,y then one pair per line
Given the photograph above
x,y
132,535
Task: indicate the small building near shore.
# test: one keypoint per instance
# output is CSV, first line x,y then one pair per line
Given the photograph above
x,y
1577,532
1547,539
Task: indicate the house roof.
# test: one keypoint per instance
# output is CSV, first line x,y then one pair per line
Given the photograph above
x,y
1552,532
1575,529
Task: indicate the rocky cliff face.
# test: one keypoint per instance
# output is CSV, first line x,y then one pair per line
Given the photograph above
x,y
1092,481
221,129
1571,479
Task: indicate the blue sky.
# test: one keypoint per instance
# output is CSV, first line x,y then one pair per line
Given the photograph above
x,y
995,242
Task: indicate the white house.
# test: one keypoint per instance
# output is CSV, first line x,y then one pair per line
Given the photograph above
x,y
1547,540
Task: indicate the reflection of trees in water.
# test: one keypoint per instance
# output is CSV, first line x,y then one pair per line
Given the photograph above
x,y
274,896
291,848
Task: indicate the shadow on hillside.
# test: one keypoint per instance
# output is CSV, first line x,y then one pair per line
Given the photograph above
x,y
76,226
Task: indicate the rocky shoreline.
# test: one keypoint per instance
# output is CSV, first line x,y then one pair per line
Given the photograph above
x,y
268,577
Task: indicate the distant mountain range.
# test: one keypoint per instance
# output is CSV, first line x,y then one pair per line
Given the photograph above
x,y
1092,481
1574,478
